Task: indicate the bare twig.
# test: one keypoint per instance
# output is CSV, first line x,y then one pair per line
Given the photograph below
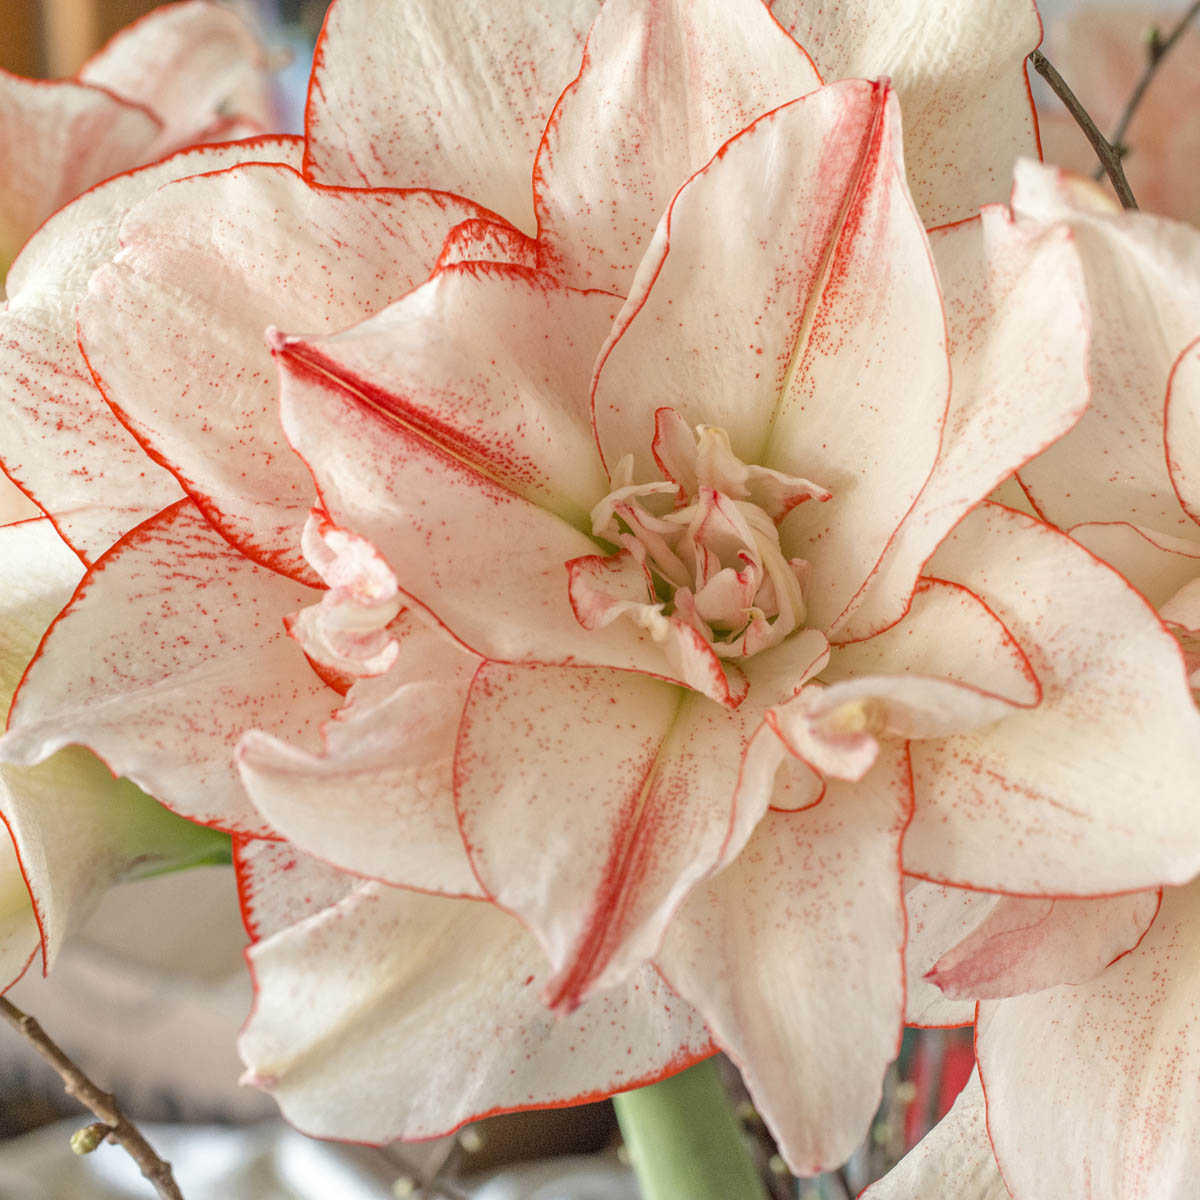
x,y
78,1085
1157,49
1110,158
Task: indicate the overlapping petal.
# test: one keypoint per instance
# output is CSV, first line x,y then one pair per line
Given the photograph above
x,y
280,886
393,103
1091,791
938,918
351,1002
1183,429
791,328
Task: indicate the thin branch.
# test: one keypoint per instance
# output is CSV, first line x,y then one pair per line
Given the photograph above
x,y
76,1084
1110,158
1156,50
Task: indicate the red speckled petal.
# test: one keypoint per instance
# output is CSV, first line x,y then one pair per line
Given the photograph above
x,y
794,954
953,1161
279,885
186,63
1183,429
174,328
1157,564
1026,944
184,648
379,798
1094,789
1143,282
1110,1068
938,918
439,480
960,75
440,95
664,84
591,803
786,291
1011,395
58,439
57,138
398,1015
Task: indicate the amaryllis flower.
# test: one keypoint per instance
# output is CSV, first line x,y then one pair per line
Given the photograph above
x,y
1088,1063
622,554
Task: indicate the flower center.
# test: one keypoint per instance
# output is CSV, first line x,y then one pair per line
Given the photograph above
x,y
706,539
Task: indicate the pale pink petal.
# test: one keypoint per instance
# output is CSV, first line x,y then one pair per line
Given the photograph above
x,y
804,229
452,96
58,439
227,255
378,799
938,919
279,885
1094,789
1028,943
1012,394
960,75
57,138
1183,429
794,954
591,803
954,1161
184,62
14,504
664,83
1182,611
435,478
1109,1068
187,649
1157,564
1143,281
397,1015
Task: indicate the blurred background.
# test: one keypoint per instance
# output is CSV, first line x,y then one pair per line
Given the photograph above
x,y
150,998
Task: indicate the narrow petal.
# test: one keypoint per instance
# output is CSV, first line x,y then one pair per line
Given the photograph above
x,y
1091,791
968,114
1110,1068
227,255
1143,282
58,439
794,954
187,647
57,139
184,62
804,228
398,103
280,886
615,796
1027,944
664,83
1012,395
1183,429
379,797
954,1161
350,1002
938,919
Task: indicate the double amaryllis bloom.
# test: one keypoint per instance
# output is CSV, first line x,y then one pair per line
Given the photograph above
x,y
650,621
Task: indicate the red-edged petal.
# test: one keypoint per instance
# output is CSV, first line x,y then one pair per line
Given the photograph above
x,y
1183,429
1026,944
57,138
170,648
58,439
664,83
968,114
379,797
1094,789
786,291
227,255
1011,395
349,1003
452,96
954,1161
1157,564
1110,1068
938,919
794,954
184,62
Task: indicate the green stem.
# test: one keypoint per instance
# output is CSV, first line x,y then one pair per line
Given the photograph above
x,y
685,1141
